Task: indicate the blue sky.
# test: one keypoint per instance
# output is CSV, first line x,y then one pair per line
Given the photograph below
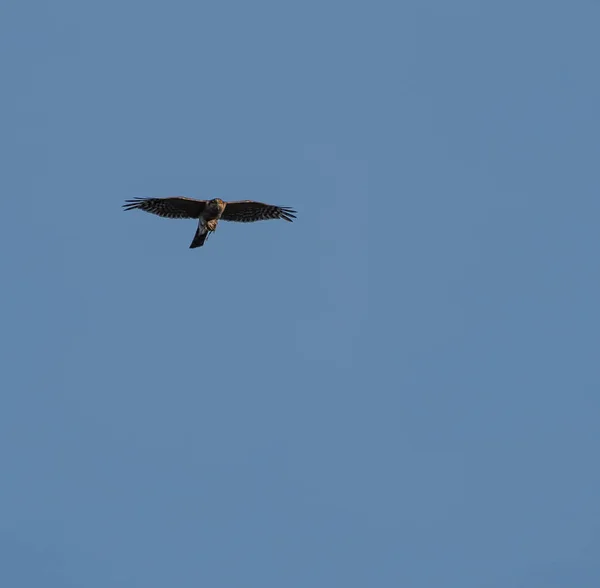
x,y
399,389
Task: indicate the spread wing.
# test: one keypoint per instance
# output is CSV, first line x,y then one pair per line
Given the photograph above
x,y
248,211
175,207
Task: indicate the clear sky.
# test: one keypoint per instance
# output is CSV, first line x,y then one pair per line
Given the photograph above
x,y
401,389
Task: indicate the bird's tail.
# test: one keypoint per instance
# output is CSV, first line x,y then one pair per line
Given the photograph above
x,y
200,236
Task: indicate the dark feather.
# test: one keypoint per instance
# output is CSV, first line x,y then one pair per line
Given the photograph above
x,y
248,211
175,207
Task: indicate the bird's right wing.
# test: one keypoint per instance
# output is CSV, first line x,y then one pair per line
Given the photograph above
x,y
175,207
249,211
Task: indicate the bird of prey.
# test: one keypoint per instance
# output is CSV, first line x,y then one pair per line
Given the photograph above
x,y
209,212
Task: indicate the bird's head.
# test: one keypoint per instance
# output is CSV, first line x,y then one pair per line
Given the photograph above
x,y
217,202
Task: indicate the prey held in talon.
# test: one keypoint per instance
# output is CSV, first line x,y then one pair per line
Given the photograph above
x,y
210,212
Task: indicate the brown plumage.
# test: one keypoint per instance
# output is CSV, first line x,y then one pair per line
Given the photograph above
x,y
209,212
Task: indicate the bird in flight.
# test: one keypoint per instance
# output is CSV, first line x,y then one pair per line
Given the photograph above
x,y
209,212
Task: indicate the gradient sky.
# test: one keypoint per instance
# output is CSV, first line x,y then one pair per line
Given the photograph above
x,y
399,389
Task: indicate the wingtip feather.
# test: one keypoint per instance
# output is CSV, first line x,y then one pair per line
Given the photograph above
x,y
133,203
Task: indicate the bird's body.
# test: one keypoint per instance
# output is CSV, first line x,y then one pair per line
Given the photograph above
x,y
209,219
209,212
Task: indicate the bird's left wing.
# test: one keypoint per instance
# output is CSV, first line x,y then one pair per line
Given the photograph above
x,y
248,211
175,207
